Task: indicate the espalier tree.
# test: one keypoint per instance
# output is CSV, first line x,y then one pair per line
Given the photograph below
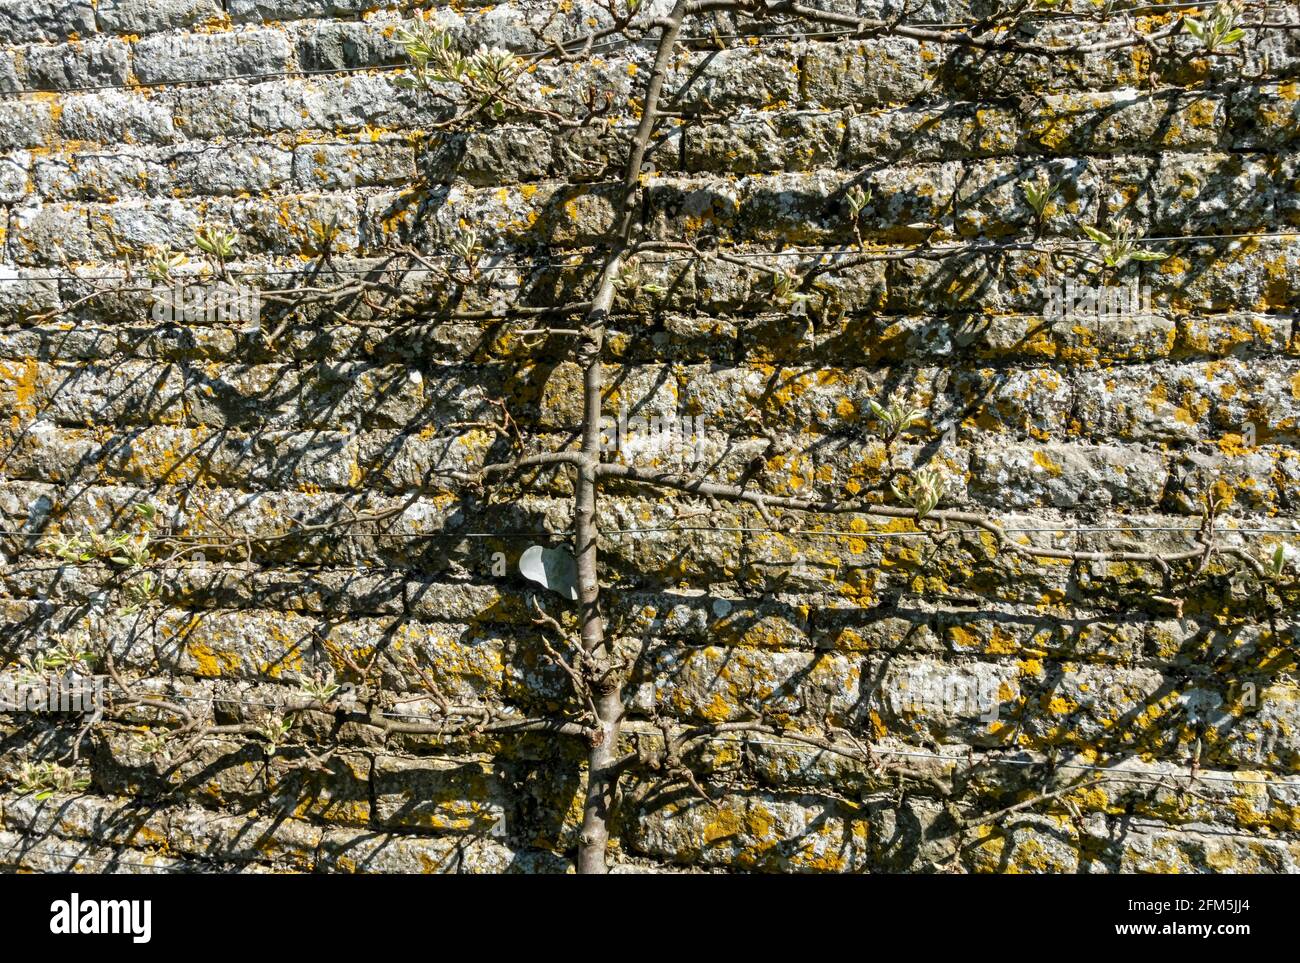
x,y
487,79
481,87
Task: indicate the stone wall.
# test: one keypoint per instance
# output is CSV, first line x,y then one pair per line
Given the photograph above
x,y
126,125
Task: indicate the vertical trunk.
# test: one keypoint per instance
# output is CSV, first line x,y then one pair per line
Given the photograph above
x,y
594,838
602,778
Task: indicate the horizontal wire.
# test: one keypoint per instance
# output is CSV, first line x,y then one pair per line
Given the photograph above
x,y
534,315
879,750
1282,782
502,265
830,533
205,81
179,861
240,540
182,860
522,262
949,531
26,855
609,44
1033,246
214,698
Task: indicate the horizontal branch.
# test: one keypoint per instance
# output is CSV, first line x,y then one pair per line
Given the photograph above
x,y
762,501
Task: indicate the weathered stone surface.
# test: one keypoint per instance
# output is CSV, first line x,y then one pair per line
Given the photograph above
x,y
180,57
1068,476
45,20
853,73
1127,120
150,16
114,116
1189,851
757,832
376,853
344,166
69,66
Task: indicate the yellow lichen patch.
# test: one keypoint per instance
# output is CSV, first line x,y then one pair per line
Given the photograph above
x,y
169,455
1094,799
1223,492
1030,668
1018,852
1049,133
1201,113
771,632
19,380
717,710
1001,642
1044,461
211,663
1278,292
1059,706
826,850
